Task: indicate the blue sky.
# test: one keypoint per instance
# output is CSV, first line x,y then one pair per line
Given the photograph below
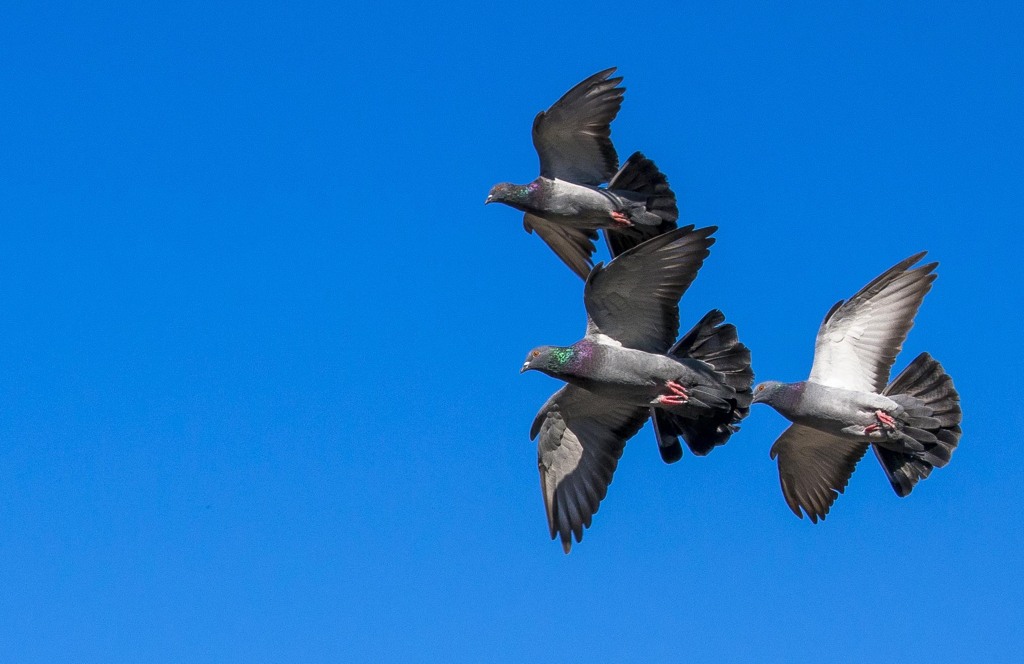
x,y
260,340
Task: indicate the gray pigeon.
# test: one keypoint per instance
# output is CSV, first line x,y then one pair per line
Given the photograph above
x,y
627,369
565,205
913,423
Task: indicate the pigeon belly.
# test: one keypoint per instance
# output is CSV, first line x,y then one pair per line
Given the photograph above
x,y
841,412
633,376
579,206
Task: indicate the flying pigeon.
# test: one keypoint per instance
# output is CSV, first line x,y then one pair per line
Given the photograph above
x,y
566,205
627,368
913,423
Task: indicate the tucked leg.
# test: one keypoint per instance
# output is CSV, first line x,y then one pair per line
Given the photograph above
x,y
676,395
886,424
886,419
620,218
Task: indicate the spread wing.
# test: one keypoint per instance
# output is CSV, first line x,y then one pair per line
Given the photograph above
x,y
814,468
635,298
572,137
860,338
581,439
574,246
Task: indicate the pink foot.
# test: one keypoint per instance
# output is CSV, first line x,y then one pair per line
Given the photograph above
x,y
621,219
871,428
676,397
885,419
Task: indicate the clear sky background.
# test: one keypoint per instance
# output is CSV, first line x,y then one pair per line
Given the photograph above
x,y
260,339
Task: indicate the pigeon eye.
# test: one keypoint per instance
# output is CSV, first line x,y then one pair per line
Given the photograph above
x,y
760,388
534,353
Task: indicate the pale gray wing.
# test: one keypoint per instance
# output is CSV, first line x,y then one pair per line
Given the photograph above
x,y
635,298
581,439
814,468
860,338
572,137
574,246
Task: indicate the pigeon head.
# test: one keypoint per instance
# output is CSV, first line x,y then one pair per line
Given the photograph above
x,y
777,394
515,195
553,360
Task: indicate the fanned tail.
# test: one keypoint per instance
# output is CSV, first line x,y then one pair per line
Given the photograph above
x,y
714,342
640,175
931,418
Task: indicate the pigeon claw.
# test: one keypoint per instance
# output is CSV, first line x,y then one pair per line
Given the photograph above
x,y
676,388
886,419
677,395
620,219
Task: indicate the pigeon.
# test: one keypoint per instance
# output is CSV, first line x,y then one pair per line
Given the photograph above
x,y
845,406
626,369
566,205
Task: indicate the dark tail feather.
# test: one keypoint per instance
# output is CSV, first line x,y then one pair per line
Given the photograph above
x,y
667,433
931,417
714,342
639,174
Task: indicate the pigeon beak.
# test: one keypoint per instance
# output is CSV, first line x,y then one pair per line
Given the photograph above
x,y
526,367
490,199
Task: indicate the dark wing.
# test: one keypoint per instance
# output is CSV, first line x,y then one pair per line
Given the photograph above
x,y
814,468
860,338
635,298
573,245
581,439
572,137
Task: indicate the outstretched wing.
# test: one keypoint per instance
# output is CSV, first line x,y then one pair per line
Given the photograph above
x,y
582,437
860,338
814,468
572,137
635,298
